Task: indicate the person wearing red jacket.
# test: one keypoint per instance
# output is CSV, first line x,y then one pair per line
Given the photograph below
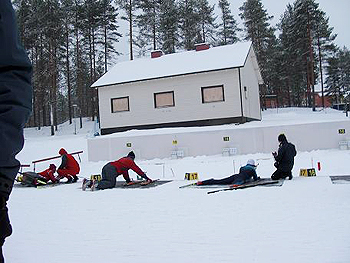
x,y
112,170
69,167
48,174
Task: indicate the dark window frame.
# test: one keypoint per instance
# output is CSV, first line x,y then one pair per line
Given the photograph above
x,y
163,92
117,111
210,87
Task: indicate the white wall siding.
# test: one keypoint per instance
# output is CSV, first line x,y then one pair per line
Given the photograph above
x,y
251,100
187,95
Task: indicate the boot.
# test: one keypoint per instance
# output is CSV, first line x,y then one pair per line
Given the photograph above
x,y
75,179
94,185
86,184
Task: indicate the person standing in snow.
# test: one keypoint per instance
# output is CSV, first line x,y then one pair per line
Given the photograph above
x,y
112,170
284,159
15,108
245,175
69,167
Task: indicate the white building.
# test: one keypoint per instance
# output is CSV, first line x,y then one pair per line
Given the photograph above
x,y
207,86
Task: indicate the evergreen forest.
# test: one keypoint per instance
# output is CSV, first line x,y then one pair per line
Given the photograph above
x,y
71,43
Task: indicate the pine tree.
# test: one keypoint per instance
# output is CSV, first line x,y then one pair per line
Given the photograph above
x,y
338,76
228,29
109,30
68,32
148,22
325,45
168,28
99,31
69,43
257,26
129,7
207,21
304,30
259,31
189,27
79,72
291,62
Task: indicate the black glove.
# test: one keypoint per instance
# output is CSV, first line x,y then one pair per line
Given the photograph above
x,y
146,177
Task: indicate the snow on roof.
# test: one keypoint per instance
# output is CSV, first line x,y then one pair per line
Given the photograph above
x,y
188,62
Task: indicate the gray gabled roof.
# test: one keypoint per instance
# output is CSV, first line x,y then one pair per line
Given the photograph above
x,y
176,64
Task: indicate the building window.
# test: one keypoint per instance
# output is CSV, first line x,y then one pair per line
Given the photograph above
x,y
164,99
120,104
213,94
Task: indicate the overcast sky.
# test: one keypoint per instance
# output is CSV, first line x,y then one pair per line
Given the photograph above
x,y
338,12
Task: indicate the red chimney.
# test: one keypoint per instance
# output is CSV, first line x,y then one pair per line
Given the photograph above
x,y
156,53
202,46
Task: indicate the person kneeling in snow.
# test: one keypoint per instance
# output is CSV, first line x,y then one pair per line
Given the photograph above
x,y
245,175
112,170
69,167
284,159
48,174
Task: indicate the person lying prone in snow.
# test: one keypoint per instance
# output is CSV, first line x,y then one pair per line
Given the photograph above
x,y
245,175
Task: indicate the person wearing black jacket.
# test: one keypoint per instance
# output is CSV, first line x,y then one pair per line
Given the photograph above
x,y
284,159
15,108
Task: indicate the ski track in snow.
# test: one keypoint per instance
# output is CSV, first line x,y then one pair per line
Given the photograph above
x,y
304,220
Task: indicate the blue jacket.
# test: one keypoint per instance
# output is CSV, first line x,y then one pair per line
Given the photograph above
x,y
246,173
15,96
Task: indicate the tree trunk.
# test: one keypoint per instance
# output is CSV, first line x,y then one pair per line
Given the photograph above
x,y
130,29
68,77
321,73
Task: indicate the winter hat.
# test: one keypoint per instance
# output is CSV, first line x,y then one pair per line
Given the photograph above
x,y
131,155
282,138
52,167
251,162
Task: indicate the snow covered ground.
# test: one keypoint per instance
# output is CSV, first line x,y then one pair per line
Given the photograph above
x,y
305,220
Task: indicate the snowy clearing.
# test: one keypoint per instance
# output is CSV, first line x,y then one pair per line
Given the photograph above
x,y
304,220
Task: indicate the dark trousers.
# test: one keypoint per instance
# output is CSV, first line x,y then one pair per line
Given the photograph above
x,y
15,107
5,228
228,180
109,176
279,174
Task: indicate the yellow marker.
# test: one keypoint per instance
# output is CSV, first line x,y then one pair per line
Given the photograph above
x,y
96,177
307,172
191,176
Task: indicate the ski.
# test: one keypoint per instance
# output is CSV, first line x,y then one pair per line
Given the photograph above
x,y
243,186
188,185
140,183
43,186
143,183
133,183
